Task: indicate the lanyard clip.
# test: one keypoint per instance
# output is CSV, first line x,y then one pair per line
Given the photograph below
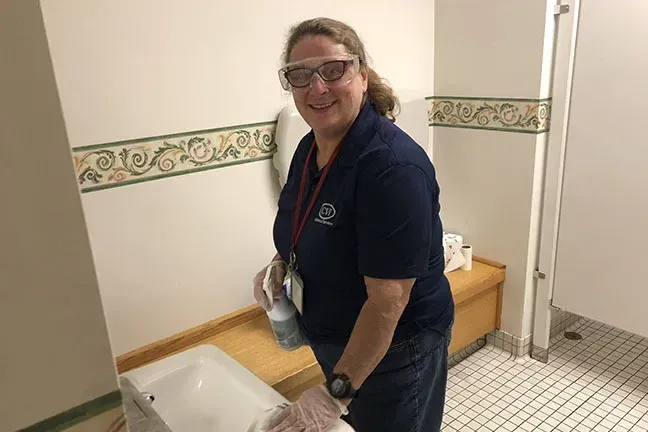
x,y
292,264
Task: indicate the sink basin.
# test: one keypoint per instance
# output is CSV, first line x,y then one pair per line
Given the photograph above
x,y
205,390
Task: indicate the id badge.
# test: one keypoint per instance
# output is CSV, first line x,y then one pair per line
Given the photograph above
x,y
287,285
297,286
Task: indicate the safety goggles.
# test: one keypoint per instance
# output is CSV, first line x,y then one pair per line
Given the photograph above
x,y
331,71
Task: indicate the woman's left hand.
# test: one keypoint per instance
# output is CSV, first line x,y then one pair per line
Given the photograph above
x,y
315,411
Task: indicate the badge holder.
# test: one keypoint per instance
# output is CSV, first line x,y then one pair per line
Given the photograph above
x,y
294,285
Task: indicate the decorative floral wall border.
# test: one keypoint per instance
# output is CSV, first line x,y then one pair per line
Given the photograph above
x,y
498,114
122,163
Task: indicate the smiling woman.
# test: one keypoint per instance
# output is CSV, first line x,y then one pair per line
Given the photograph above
x,y
358,230
326,65
330,105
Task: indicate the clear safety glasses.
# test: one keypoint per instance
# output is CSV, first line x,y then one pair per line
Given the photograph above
x,y
333,72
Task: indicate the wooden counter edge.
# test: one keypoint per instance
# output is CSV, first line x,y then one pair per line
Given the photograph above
x,y
481,286
489,262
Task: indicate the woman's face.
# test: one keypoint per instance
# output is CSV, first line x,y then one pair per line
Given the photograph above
x,y
328,107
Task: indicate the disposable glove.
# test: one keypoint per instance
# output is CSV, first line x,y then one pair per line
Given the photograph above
x,y
277,274
315,411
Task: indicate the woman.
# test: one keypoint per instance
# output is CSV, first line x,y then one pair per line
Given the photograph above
x,y
358,225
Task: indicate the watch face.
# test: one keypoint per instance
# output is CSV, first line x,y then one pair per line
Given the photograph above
x,y
338,386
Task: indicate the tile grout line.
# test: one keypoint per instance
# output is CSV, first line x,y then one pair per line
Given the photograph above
x,y
541,371
641,343
613,364
602,374
492,416
636,403
535,399
645,415
511,357
503,361
592,328
572,381
623,399
589,398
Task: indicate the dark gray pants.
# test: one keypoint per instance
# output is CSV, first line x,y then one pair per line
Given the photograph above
x,y
406,392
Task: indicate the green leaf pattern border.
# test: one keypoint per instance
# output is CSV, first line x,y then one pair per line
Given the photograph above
x,y
122,163
530,116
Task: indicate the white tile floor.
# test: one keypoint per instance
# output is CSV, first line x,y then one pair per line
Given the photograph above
x,y
599,384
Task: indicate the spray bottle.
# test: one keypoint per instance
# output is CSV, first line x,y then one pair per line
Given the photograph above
x,y
282,315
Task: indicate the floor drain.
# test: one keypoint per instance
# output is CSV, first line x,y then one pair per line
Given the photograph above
x,y
573,336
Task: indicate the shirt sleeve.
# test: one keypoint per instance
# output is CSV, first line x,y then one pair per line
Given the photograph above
x,y
394,223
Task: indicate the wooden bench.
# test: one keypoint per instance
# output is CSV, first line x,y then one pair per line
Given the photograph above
x,y
246,334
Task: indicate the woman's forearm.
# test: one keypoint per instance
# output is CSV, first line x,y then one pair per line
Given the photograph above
x,y
374,329
369,342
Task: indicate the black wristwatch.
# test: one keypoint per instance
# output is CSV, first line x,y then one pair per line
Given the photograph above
x,y
339,386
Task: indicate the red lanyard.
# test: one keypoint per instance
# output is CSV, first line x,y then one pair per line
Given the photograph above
x,y
298,225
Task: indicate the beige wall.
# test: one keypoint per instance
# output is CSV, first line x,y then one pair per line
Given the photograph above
x,y
55,349
492,180
173,253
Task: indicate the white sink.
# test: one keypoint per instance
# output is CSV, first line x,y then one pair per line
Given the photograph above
x,y
205,390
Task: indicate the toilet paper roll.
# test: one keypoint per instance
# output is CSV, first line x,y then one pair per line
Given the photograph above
x,y
450,240
454,257
467,252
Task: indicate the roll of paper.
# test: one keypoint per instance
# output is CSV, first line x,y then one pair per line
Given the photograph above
x,y
452,238
466,251
451,242
454,257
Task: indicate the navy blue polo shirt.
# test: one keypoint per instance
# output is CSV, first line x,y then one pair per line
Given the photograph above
x,y
376,215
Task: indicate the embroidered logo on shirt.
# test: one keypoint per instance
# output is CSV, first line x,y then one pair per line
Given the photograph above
x,y
326,213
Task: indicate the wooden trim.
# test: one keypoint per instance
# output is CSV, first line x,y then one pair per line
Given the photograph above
x,y
183,340
489,262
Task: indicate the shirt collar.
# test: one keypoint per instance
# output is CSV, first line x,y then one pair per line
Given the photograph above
x,y
353,143
358,136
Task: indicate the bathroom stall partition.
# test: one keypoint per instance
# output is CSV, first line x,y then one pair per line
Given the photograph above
x,y
593,250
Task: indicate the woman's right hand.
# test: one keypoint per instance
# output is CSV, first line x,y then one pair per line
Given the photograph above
x,y
277,275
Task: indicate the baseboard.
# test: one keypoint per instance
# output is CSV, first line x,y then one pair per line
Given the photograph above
x,y
459,356
560,321
510,343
